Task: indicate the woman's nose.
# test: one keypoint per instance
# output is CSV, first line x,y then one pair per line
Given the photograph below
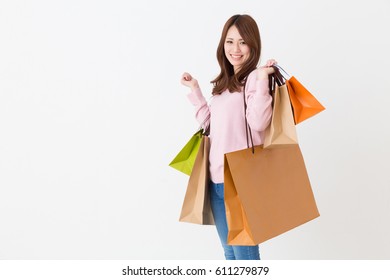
x,y
236,48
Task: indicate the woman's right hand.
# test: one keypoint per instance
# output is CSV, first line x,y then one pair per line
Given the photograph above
x,y
189,81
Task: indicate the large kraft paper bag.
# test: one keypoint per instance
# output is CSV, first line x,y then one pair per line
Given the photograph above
x,y
267,193
196,205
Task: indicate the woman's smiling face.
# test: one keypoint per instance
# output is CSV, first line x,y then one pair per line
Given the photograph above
x,y
236,50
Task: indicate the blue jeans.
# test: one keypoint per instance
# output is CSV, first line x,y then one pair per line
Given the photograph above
x,y
219,212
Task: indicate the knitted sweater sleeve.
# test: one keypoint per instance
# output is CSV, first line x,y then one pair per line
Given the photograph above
x,y
259,103
202,110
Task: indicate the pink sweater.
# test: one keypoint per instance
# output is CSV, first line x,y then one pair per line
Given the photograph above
x,y
227,130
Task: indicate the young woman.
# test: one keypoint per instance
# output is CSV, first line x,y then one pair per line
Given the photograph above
x,y
238,55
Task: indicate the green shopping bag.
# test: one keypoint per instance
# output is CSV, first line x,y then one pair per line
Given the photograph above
x,y
184,161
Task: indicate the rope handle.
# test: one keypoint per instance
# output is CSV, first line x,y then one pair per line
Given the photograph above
x,y
206,131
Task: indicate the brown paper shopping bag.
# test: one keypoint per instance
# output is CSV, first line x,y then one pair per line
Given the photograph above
x,y
196,205
267,192
281,130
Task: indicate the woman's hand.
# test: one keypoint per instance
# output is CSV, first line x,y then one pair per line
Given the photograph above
x,y
267,69
189,81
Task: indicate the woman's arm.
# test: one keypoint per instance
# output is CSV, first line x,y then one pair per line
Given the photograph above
x,y
258,97
202,111
259,102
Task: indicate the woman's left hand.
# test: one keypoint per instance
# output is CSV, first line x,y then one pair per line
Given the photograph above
x,y
267,69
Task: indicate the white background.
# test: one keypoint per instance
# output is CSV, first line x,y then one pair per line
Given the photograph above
x,y
92,112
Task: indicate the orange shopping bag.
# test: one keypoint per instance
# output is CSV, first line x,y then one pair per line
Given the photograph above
x,y
304,104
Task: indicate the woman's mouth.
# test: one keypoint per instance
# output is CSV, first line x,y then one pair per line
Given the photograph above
x,y
236,56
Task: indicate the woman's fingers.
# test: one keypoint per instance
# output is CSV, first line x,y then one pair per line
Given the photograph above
x,y
187,77
271,62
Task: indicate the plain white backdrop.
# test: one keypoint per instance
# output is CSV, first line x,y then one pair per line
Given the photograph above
x,y
92,111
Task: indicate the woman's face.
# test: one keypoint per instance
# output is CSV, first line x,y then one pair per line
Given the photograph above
x,y
236,50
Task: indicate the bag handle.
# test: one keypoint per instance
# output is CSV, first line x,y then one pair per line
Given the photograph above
x,y
247,127
206,131
280,68
279,78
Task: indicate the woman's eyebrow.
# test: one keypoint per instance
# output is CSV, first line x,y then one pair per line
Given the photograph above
x,y
233,39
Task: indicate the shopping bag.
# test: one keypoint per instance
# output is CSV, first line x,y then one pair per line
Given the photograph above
x,y
304,104
196,205
267,193
281,130
184,160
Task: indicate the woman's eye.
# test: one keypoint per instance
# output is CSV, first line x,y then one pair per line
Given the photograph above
x,y
229,42
243,43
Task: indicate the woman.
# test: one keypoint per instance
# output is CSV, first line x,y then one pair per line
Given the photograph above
x,y
238,55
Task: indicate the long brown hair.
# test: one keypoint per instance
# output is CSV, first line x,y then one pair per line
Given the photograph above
x,y
249,32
